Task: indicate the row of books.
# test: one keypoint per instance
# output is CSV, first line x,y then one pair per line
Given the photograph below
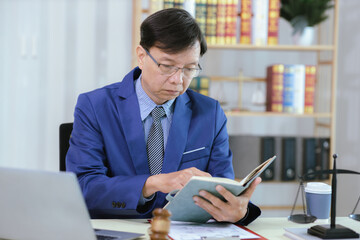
x,y
231,21
314,152
290,88
201,85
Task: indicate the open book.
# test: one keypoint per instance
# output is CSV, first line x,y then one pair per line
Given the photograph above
x,y
182,206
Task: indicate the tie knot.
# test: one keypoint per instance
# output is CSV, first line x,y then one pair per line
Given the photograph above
x,y
157,113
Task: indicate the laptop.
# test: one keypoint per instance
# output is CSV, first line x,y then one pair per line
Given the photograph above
x,y
46,205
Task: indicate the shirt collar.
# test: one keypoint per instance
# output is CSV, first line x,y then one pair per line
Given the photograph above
x,y
147,105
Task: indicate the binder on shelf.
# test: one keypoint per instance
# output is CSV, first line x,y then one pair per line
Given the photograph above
x,y
267,150
309,157
288,159
323,156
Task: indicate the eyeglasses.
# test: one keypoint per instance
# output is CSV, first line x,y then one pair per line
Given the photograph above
x,y
169,70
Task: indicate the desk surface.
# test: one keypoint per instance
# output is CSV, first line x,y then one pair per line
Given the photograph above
x,y
270,228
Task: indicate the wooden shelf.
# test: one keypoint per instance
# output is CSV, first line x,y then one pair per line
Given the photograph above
x,y
275,114
312,48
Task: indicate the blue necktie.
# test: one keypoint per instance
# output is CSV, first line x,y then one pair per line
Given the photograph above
x,y
155,142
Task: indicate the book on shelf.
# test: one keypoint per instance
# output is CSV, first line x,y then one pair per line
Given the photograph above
x,y
190,5
267,150
309,157
169,4
221,22
288,159
230,22
259,24
182,206
322,156
273,22
297,92
274,88
211,14
200,14
245,21
201,85
310,82
294,88
299,234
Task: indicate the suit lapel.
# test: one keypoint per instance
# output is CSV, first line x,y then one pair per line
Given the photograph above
x,y
178,134
129,115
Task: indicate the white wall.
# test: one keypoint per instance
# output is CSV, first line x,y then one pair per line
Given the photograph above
x,y
348,102
50,51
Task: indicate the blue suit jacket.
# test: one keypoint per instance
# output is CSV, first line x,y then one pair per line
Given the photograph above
x,y
108,150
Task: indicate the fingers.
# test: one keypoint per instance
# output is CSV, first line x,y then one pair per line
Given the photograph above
x,y
232,209
250,190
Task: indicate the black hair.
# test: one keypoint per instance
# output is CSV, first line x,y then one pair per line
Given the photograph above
x,y
172,30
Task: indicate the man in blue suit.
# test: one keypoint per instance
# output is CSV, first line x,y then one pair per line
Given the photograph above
x,y
120,173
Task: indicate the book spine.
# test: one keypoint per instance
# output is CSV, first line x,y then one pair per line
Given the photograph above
x,y
288,90
299,89
200,15
189,5
211,21
273,22
168,4
288,159
221,22
274,88
310,80
323,156
230,23
245,21
309,157
267,151
179,4
260,22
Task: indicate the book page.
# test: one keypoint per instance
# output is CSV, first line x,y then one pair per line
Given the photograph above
x,y
257,170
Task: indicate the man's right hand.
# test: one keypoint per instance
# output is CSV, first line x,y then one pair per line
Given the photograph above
x,y
168,182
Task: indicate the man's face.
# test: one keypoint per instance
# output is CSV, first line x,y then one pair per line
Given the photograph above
x,y
161,87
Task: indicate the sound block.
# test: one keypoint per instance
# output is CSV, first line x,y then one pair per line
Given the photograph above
x,y
326,232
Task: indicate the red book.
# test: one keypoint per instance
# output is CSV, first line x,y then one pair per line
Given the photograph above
x,y
274,88
221,22
310,81
245,22
230,23
273,22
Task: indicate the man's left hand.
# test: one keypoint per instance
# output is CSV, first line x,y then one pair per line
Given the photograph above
x,y
231,210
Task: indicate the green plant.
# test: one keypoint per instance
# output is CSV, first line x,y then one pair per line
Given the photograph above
x,y
303,13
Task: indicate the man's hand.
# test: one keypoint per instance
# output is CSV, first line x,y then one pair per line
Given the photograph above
x,y
233,209
170,181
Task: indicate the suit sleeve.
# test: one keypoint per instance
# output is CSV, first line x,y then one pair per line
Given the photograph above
x,y
117,195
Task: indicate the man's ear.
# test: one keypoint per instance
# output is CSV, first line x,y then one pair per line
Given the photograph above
x,y
140,53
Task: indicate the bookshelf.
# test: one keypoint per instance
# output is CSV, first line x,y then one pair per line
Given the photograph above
x,y
323,118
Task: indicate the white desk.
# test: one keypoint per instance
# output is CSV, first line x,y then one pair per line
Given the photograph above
x,y
270,228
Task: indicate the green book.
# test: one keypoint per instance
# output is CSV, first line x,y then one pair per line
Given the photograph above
x,y
182,206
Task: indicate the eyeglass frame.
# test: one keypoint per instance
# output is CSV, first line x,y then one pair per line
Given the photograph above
x,y
198,70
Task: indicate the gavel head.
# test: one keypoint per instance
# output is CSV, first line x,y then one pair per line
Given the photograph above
x,y
160,224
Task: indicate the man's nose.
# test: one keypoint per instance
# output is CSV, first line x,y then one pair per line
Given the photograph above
x,y
177,77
